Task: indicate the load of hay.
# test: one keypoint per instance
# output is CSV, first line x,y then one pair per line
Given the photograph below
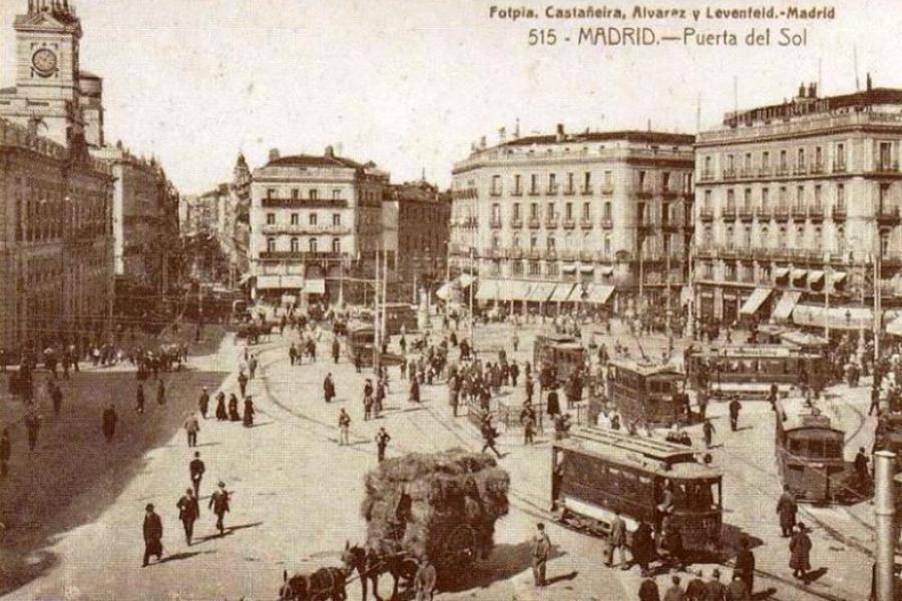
x,y
416,504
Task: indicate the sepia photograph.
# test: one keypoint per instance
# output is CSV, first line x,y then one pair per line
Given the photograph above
x,y
458,300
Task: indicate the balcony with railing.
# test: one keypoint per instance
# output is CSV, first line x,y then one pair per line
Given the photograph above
x,y
764,171
534,254
569,224
888,215
728,213
839,166
515,252
285,255
607,223
586,255
495,192
495,224
887,166
746,213
550,254
551,222
516,222
585,223
799,213
534,191
800,169
839,213
729,173
607,188
517,192
781,171
781,213
816,168
763,213
552,189
706,176
746,172
603,257
586,190
569,190
534,223
706,213
567,255
816,212
303,203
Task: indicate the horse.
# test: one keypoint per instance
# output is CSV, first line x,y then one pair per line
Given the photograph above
x,y
323,584
369,566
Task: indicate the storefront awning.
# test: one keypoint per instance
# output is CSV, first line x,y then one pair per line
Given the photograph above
x,y
275,282
289,299
840,318
487,291
587,268
815,276
541,292
444,291
514,290
244,278
562,293
838,277
569,268
754,302
798,274
599,293
786,304
781,272
685,294
465,280
316,286
607,270
895,327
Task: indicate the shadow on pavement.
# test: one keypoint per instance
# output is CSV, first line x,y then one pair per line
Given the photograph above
x,y
504,562
72,457
184,555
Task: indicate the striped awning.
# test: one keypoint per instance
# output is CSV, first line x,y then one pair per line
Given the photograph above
x,y
599,293
487,290
562,292
815,276
754,302
786,304
541,292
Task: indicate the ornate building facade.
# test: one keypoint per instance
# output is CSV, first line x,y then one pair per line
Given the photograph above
x,y
565,219
797,206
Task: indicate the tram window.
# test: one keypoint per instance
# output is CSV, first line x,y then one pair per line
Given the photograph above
x,y
795,446
815,448
834,448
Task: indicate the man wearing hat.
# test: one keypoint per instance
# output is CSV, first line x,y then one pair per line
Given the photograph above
x,y
800,552
189,510
219,502
541,549
696,590
204,402
714,588
745,565
153,535
425,579
737,591
197,469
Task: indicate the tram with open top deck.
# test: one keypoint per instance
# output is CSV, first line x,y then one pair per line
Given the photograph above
x,y
562,353
597,472
809,452
648,393
749,371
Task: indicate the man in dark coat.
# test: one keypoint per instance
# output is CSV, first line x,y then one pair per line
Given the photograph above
x,y
648,590
714,588
139,399
161,392
203,402
196,468
153,535
800,552
786,509
695,589
541,549
745,566
5,453
219,502
382,440
222,413
414,390
109,422
242,382
56,395
336,350
553,406
189,510
32,426
735,407
643,546
329,388
861,471
737,590
675,592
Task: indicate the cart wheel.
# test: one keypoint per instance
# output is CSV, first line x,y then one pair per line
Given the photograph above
x,y
462,546
409,568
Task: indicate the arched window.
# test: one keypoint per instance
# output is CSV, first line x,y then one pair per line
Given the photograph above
x,y
271,245
765,237
841,240
311,244
516,241
295,245
336,245
550,243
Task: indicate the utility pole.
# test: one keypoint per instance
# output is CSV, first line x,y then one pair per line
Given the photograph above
x,y
377,330
472,280
827,284
884,513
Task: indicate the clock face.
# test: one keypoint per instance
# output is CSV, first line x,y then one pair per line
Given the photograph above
x,y
44,61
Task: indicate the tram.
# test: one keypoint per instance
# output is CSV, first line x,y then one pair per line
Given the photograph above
x,y
596,473
809,453
749,371
647,393
562,353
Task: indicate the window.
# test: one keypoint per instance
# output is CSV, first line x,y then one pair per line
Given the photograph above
x,y
534,210
781,238
707,204
496,213
552,183
608,178
295,245
295,194
883,197
336,218
747,236
568,211
765,237
570,183
587,180
496,185
765,199
782,159
607,245
801,161
517,268
549,213
607,209
534,184
311,245
818,157
783,197
270,245
748,161
516,241
817,198
336,194
840,240
550,243
533,241
496,242
641,181
730,162
517,189
314,194
800,237
747,200
552,269
587,211
800,197
534,268
295,219
728,236
840,160
270,193
270,219
707,165
731,200
841,197
765,160
311,219
336,246
885,156
884,242
818,238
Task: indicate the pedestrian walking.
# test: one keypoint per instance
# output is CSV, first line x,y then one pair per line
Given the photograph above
x,y
221,413
329,388
737,590
695,589
344,426
800,553
189,511
252,367
367,399
643,547
219,502
108,424
489,434
203,403
382,440
56,395
786,509
139,399
425,579
745,565
196,469
153,535
336,350
234,416
357,362
862,472
161,392
735,408
648,590
708,432
5,453
32,426
414,390
617,541
675,592
875,399
714,588
242,382
553,406
292,354
192,427
249,412
541,549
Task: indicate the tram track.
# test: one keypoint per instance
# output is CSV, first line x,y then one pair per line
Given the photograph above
x,y
520,501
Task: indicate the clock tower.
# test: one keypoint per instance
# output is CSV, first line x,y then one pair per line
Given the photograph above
x,y
47,95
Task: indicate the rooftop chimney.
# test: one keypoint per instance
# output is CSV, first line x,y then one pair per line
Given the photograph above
x,y
868,83
330,153
559,136
482,142
812,90
802,90
502,135
273,154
